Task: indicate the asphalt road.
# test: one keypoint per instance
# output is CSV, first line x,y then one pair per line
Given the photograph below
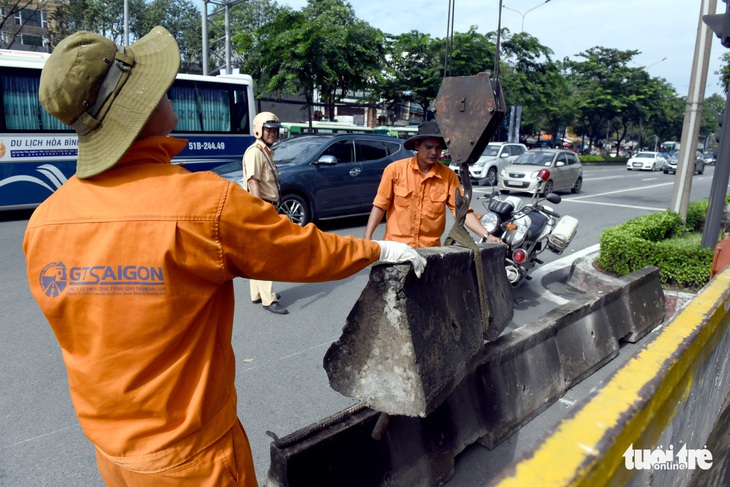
x,y
282,385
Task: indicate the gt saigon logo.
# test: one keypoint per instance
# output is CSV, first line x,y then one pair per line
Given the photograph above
x,y
659,459
53,279
102,280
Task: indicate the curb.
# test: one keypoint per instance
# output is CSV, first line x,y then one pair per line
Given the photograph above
x,y
585,278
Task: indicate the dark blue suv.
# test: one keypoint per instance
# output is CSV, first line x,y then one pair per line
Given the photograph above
x,y
326,176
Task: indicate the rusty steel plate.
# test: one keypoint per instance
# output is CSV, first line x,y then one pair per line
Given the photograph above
x,y
468,110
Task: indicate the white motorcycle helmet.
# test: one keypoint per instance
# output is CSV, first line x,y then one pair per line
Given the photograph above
x,y
264,120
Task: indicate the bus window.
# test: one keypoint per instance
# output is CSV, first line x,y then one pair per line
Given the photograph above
x,y
240,112
22,110
201,108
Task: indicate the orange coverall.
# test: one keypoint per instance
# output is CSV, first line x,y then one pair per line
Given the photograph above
x,y
134,271
414,203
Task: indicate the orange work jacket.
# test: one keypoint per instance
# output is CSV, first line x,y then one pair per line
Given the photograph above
x,y
134,271
415,204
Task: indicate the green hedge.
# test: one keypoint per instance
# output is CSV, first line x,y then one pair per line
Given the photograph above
x,y
614,160
662,240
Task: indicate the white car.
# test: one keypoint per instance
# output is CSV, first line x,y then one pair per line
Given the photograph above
x,y
650,161
495,157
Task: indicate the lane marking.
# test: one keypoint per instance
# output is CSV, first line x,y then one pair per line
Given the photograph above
x,y
272,361
619,191
40,436
602,178
617,204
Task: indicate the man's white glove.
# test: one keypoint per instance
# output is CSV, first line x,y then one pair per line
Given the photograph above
x,y
397,252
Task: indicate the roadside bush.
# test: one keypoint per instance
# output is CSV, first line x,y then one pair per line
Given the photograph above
x,y
598,158
682,261
662,240
697,214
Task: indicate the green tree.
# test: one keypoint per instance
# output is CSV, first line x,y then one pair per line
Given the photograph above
x,y
712,109
246,19
413,70
416,64
599,93
105,17
472,53
533,80
642,98
183,21
666,123
313,50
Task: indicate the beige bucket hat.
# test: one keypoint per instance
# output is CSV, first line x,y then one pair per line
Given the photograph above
x,y
106,92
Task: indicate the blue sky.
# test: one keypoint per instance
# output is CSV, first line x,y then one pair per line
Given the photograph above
x,y
658,28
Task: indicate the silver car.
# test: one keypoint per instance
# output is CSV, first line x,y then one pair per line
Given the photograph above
x,y
495,156
670,166
566,172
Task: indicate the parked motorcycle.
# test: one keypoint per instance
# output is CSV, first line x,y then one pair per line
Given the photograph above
x,y
528,229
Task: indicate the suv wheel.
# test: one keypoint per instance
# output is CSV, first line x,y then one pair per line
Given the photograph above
x,y
296,208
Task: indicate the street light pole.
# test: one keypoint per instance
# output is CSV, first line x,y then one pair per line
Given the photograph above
x,y
654,64
526,12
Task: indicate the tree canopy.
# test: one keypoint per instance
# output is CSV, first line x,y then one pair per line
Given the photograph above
x,y
324,49
106,17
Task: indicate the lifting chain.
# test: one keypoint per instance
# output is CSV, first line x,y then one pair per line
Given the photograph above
x,y
459,234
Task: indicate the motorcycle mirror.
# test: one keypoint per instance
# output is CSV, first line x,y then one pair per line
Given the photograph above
x,y
553,198
543,175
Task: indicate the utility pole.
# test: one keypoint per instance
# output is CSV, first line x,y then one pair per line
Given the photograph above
x,y
225,5
693,113
720,24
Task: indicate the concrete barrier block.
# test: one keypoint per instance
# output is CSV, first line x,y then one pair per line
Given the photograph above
x,y
634,318
584,336
646,300
501,387
586,279
518,377
408,341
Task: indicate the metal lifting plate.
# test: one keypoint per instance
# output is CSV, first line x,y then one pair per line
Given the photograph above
x,y
469,110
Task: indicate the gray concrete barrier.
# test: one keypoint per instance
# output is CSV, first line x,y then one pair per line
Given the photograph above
x,y
408,341
505,385
661,406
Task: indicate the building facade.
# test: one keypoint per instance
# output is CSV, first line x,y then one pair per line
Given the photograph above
x,y
24,25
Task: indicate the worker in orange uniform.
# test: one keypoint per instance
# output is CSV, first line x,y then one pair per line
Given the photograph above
x,y
415,192
132,262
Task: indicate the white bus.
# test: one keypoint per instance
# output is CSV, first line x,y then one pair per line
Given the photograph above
x,y
38,153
